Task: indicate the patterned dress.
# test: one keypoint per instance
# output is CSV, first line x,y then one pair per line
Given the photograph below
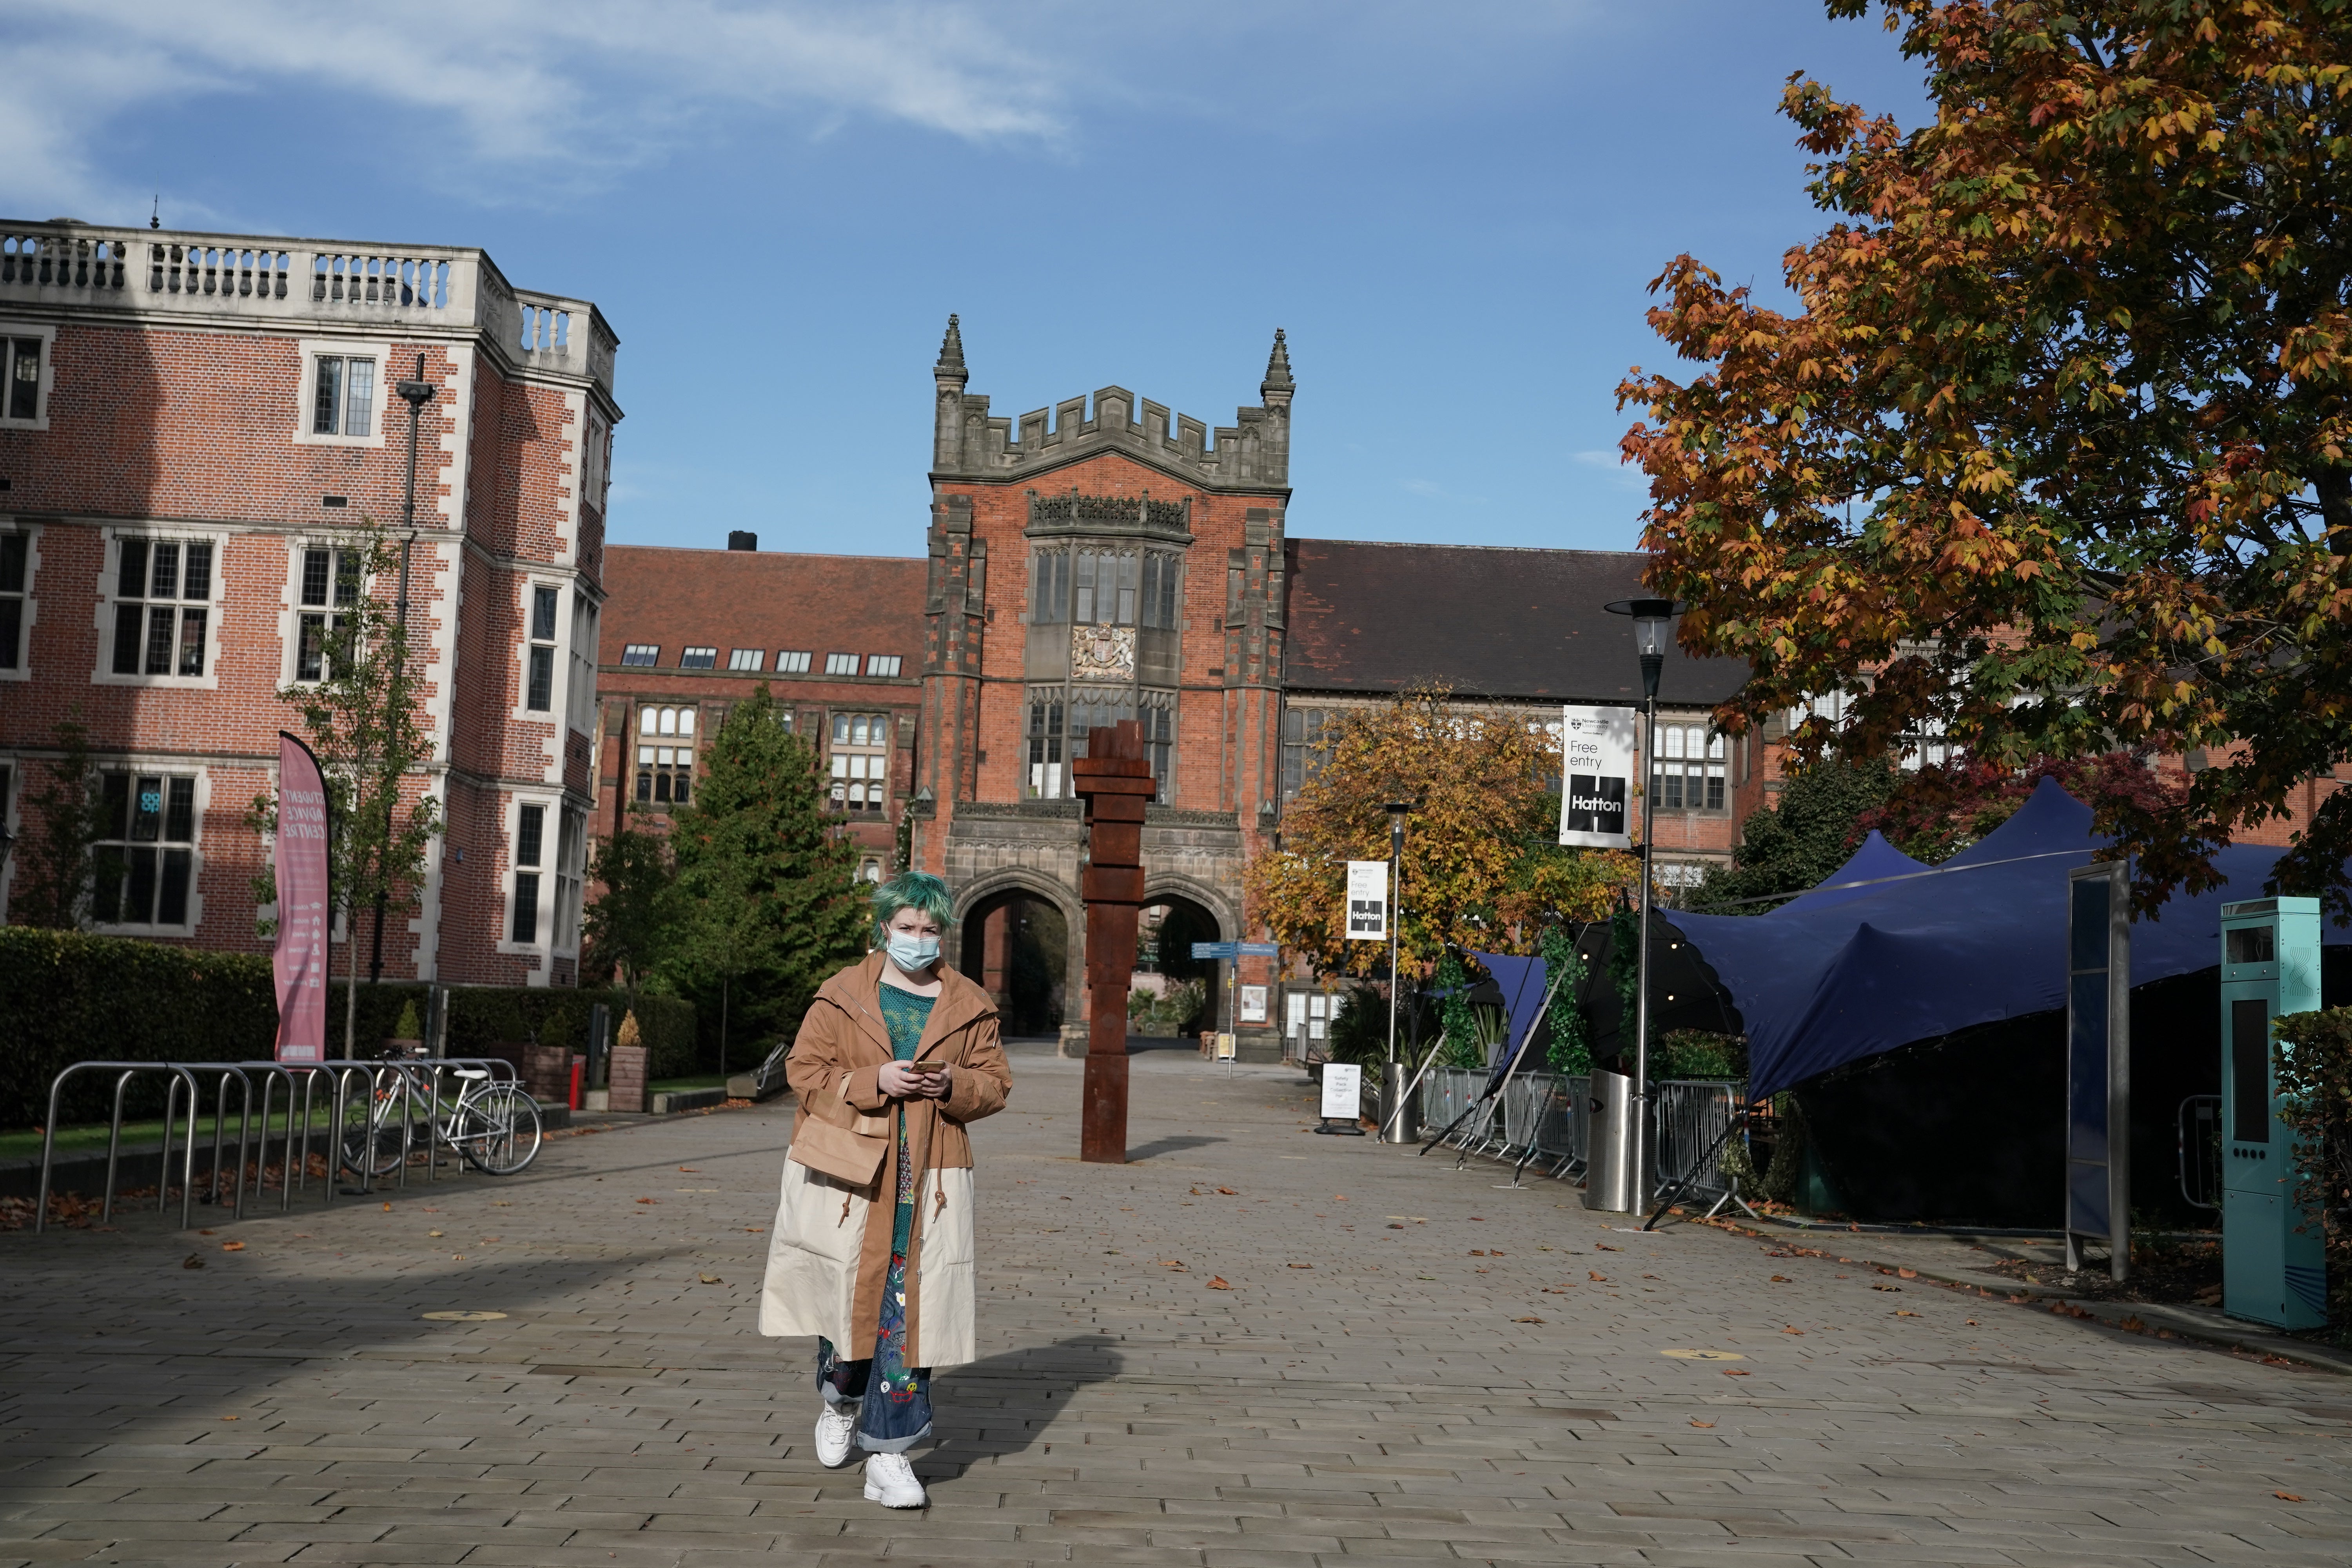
x,y
895,1410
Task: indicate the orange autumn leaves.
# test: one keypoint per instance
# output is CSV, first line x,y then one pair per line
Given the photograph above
x,y
2056,450
1481,860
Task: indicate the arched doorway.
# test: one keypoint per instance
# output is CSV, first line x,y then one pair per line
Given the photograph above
x,y
1016,947
1184,990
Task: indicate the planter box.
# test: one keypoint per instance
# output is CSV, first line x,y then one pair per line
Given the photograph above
x,y
627,1083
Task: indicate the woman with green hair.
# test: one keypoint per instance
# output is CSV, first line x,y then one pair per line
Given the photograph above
x,y
872,1249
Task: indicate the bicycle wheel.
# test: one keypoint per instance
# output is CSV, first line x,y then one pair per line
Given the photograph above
x,y
369,1143
497,1129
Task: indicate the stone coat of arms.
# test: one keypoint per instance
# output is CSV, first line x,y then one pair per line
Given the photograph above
x,y
1102,653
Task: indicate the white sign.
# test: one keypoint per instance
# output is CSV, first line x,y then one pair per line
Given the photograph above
x,y
1253,1004
1596,754
1367,901
1343,1091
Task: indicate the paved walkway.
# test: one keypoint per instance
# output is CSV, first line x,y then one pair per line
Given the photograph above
x,y
1251,1347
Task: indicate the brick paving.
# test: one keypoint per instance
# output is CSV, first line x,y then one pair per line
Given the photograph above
x,y
1409,1363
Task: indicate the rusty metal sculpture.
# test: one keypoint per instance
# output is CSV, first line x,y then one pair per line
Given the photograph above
x,y
1115,781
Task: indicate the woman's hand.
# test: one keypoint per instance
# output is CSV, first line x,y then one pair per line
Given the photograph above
x,y
899,1080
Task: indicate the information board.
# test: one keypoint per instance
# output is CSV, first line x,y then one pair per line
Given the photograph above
x,y
1343,1091
1596,755
1367,901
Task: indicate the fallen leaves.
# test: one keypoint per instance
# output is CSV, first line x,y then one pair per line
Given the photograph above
x,y
1906,1273
1167,1263
433,1233
1229,1192
1886,1287
1799,1333
1735,1371
1905,1313
712,1279
232,1246
1782,1279
1604,1247
1527,1320
192,1261
1302,1266
2286,1497
1217,1282
1597,1279
691,1170
1702,1424
640,1200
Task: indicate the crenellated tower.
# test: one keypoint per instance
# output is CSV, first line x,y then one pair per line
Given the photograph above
x,y
1100,560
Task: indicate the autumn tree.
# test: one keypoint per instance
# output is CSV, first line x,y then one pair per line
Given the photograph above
x,y
2054,452
1483,865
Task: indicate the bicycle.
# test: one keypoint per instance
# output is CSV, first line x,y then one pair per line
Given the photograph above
x,y
493,1125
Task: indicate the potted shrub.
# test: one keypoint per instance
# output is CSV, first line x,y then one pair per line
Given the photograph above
x,y
407,1036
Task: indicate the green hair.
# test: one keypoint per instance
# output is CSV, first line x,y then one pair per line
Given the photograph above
x,y
911,890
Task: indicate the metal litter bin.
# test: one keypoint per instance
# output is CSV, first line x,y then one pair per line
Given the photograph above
x,y
1609,1176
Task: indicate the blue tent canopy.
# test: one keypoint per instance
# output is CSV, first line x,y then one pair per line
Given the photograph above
x,y
1522,984
1844,973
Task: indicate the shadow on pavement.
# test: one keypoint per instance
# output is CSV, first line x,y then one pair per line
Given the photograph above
x,y
1003,1404
1175,1144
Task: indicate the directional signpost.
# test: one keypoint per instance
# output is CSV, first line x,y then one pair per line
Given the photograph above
x,y
1225,952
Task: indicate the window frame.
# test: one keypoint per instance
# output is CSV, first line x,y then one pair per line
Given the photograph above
x,y
873,661
854,787
111,600
124,837
12,333
839,664
653,782
699,656
315,349
1712,762
25,597
298,613
539,871
629,652
793,661
747,661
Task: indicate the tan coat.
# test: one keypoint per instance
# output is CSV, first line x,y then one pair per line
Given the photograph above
x,y
829,1254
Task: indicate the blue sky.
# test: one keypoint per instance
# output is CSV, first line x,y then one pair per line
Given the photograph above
x,y
1453,211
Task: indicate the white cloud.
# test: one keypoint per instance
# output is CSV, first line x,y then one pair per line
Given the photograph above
x,y
1627,475
559,88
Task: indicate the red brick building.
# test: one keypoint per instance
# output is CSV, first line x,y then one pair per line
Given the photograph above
x,y
1102,561
837,639
191,428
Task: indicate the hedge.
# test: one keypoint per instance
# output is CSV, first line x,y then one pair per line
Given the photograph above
x,y
67,996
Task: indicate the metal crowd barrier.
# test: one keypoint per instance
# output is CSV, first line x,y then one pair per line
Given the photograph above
x,y
416,1082
1691,1119
1541,1118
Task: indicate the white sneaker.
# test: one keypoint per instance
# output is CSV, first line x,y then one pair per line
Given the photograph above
x,y
890,1481
835,1426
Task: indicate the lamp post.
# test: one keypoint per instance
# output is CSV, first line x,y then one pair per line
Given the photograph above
x,y
1396,1125
417,393
1652,625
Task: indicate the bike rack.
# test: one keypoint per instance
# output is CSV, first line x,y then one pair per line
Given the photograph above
x,y
175,1073
185,1075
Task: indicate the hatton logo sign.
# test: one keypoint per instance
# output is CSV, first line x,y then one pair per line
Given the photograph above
x,y
1596,749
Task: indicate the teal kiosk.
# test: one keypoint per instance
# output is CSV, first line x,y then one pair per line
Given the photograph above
x,y
2272,1272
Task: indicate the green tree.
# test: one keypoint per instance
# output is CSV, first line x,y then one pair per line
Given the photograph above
x,y
365,723
2056,451
630,926
1796,845
55,873
767,898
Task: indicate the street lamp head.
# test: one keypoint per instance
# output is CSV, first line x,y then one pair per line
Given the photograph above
x,y
1652,620
1398,807
417,393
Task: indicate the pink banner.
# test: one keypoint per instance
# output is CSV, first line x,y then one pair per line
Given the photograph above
x,y
303,957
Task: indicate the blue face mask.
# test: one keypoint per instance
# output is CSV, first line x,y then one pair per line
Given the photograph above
x,y
913,954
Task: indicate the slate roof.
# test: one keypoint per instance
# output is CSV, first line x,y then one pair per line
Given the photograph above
x,y
728,599
1487,621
